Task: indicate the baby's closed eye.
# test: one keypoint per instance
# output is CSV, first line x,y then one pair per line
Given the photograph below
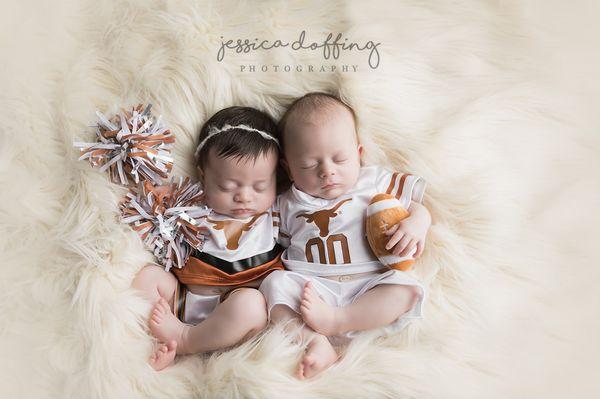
x,y
308,166
225,188
259,188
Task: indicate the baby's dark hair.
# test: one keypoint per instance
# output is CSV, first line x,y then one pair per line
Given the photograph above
x,y
308,103
238,143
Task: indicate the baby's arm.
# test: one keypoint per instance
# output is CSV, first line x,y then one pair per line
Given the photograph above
x,y
410,232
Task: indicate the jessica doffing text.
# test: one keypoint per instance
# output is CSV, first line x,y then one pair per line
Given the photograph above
x,y
331,47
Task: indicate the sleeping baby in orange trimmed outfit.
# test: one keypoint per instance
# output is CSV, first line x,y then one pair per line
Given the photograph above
x,y
213,302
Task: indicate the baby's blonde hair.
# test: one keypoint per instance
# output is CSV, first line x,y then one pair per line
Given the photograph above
x,y
307,104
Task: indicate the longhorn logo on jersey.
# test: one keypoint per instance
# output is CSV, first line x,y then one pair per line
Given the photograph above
x,y
321,218
233,229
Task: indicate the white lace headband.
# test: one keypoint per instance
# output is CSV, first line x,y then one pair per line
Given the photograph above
x,y
214,131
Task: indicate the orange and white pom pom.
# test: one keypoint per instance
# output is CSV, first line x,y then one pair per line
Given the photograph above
x,y
384,212
167,219
133,144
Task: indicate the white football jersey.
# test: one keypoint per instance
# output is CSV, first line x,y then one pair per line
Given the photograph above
x,y
235,251
328,237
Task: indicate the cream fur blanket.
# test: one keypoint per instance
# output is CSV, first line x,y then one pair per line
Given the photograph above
x,y
494,103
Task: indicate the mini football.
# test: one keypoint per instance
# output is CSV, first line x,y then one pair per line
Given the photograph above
x,y
385,211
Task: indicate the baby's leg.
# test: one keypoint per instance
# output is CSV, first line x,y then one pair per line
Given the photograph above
x,y
319,353
242,315
155,283
378,307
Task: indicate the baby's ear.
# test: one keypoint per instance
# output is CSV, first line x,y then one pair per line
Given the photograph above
x,y
361,153
200,173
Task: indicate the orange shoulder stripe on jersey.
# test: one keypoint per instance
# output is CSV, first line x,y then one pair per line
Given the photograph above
x,y
392,183
401,186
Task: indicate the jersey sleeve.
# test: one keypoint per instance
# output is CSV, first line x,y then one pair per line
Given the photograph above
x,y
283,237
404,186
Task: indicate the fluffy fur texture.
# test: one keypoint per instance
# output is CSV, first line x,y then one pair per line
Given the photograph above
x,y
490,102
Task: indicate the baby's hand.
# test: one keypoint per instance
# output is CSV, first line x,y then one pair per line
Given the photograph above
x,y
406,235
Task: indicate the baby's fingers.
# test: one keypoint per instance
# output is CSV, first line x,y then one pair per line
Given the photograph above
x,y
420,248
395,239
402,244
392,230
409,247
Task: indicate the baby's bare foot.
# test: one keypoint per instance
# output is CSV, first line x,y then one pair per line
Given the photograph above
x,y
318,357
321,317
164,355
165,326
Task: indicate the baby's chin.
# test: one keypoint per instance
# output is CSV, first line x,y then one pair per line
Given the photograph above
x,y
237,215
331,194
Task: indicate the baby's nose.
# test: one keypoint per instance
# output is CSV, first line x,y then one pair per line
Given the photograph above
x,y
326,170
243,196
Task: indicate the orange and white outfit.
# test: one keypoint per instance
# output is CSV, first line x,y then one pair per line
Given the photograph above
x,y
236,253
327,244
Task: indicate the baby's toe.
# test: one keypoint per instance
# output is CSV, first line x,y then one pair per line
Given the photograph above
x,y
157,309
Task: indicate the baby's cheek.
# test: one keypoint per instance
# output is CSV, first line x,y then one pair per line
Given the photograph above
x,y
266,201
208,200
213,200
205,195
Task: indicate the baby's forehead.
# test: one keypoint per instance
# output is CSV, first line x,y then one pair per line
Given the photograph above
x,y
241,165
319,114
336,117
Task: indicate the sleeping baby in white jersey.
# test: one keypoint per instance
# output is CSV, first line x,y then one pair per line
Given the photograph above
x,y
334,282
213,301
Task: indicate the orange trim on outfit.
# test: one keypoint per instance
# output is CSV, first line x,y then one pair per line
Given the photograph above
x,y
197,272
